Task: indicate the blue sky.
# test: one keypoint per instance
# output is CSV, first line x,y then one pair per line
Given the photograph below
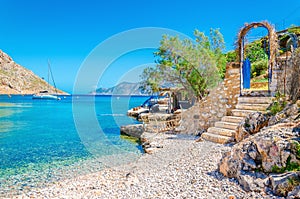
x,y
66,32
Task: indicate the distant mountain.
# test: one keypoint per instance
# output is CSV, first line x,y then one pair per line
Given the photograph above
x,y
124,88
15,79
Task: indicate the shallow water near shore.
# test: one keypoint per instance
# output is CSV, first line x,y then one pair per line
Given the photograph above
x,y
40,144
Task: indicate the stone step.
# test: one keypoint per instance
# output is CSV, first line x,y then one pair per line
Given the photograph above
x,y
232,119
256,107
221,131
255,93
217,138
241,113
255,100
226,125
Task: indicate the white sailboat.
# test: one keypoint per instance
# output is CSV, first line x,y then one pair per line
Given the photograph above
x,y
45,94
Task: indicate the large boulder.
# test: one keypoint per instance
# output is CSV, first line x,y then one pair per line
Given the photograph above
x,y
253,181
254,122
289,114
272,150
134,130
251,125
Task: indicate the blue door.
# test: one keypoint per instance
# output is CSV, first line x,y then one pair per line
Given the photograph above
x,y
246,73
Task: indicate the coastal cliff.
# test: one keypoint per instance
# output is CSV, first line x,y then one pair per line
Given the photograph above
x,y
15,79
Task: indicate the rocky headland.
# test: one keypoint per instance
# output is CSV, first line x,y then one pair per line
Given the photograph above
x,y
15,79
123,88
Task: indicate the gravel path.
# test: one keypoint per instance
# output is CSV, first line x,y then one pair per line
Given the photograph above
x,y
183,168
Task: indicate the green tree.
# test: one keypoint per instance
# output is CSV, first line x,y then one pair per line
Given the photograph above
x,y
256,53
231,56
194,65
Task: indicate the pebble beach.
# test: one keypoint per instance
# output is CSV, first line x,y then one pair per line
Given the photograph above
x,y
180,168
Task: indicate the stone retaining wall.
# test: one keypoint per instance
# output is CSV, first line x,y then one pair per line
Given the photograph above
x,y
217,104
282,76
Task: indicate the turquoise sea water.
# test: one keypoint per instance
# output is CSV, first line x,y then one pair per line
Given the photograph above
x,y
45,141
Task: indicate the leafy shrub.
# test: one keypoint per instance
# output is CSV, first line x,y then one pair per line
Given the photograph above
x,y
261,80
292,183
276,169
255,51
290,166
275,108
259,67
296,148
231,56
278,103
258,57
294,29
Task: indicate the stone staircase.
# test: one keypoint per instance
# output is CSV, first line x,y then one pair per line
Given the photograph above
x,y
224,131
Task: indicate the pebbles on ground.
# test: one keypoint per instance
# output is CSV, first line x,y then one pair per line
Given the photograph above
x,y
183,168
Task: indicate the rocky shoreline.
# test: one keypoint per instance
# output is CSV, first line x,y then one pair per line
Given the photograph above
x,y
179,168
185,166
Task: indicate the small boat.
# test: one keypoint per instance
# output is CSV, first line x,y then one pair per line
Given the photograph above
x,y
45,95
152,104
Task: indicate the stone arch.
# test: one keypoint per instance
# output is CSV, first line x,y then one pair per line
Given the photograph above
x,y
273,45
293,38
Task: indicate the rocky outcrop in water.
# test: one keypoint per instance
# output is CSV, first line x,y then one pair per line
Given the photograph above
x,y
134,130
15,79
270,159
